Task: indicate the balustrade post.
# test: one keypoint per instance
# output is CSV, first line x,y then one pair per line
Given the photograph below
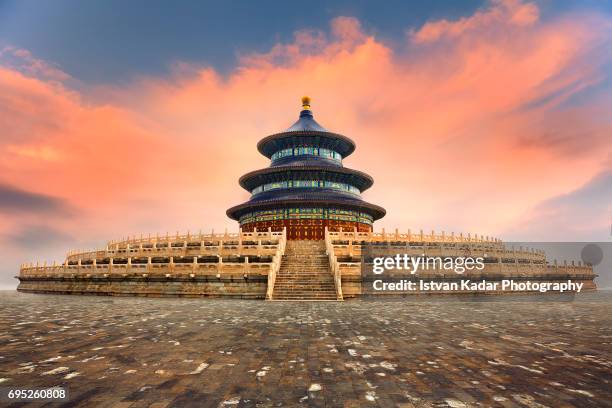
x,y
129,264
110,266
149,266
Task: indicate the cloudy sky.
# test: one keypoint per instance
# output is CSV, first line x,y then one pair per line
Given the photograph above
x,y
490,117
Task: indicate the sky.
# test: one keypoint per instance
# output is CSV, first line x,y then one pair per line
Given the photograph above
x,y
121,118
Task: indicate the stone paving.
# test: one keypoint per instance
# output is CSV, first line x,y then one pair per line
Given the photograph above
x,y
142,352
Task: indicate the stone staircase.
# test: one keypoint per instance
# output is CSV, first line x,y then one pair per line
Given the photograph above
x,y
304,273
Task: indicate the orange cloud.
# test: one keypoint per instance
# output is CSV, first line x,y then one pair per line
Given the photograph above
x,y
502,14
472,124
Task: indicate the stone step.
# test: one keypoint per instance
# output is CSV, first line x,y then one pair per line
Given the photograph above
x,y
301,293
324,267
291,293
305,297
300,264
305,258
296,289
304,284
304,273
313,265
301,257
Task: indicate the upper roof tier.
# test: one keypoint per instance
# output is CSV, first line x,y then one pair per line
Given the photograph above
x,y
306,122
306,132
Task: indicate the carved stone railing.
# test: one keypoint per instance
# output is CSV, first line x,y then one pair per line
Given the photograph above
x,y
257,234
276,264
171,267
333,264
512,254
409,236
255,243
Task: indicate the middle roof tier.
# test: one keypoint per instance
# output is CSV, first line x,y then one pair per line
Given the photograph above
x,y
299,171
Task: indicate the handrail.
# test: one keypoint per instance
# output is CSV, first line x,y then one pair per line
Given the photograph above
x,y
112,269
189,237
355,248
276,264
409,236
333,263
208,250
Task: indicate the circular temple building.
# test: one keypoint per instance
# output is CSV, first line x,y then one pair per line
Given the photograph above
x,y
306,188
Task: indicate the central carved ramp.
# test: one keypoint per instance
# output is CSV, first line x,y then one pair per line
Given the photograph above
x,y
304,273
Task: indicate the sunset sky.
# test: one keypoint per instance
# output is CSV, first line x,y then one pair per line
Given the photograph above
x,y
120,118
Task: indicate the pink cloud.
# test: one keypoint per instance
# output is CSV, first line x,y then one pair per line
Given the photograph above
x,y
23,60
504,13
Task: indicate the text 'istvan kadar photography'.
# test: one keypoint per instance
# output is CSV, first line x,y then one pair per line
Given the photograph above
x,y
310,204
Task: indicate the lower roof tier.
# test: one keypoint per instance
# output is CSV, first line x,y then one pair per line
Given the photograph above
x,y
308,200
306,216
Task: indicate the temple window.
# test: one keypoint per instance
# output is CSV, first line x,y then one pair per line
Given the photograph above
x,y
307,151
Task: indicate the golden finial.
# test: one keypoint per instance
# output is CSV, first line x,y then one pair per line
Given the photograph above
x,y
305,103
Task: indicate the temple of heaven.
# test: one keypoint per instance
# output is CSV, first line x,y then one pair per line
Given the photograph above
x,y
306,188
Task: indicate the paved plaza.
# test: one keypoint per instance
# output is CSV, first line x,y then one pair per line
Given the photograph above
x,y
428,352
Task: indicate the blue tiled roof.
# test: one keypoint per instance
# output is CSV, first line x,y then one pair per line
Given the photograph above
x,y
306,122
